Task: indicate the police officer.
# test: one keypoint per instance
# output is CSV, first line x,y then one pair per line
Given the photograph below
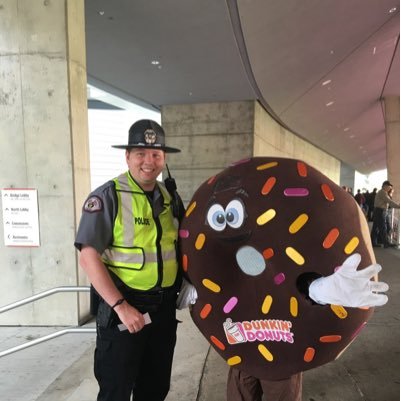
x,y
127,240
381,204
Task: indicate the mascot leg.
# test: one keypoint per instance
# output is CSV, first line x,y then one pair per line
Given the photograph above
x,y
243,387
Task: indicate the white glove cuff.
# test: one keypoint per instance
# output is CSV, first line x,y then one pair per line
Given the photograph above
x,y
316,289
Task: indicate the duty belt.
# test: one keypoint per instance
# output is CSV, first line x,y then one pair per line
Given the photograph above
x,y
150,297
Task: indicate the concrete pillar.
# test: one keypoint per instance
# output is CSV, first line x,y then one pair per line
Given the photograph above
x,y
44,145
213,135
347,177
210,136
392,124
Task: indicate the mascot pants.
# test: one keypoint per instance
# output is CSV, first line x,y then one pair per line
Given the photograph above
x,y
242,387
138,363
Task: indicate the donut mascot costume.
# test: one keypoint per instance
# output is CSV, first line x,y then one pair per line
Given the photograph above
x,y
281,263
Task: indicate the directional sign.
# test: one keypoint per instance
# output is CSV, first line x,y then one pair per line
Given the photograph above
x,y
20,217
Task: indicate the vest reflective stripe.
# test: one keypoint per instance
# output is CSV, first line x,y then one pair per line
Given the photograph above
x,y
134,256
121,258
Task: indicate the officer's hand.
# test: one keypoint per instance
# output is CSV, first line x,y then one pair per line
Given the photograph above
x,y
132,319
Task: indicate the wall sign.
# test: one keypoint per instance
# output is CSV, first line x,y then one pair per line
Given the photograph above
x,y
20,216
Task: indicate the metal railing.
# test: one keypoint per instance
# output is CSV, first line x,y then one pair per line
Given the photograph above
x,y
59,333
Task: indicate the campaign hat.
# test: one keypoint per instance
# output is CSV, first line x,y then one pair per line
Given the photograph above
x,y
147,134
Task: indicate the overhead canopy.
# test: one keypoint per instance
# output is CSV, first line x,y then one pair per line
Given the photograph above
x,y
319,67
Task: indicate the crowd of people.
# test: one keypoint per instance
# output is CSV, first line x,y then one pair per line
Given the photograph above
x,y
378,207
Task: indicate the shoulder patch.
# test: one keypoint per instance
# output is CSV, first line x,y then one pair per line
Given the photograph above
x,y
93,204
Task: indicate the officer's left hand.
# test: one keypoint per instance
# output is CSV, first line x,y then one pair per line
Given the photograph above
x,y
132,319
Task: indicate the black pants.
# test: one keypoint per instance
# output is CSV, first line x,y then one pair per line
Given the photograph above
x,y
379,228
139,363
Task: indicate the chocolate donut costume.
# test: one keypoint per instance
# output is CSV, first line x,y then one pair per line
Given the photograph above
x,y
252,239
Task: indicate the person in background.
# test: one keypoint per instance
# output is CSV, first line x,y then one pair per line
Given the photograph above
x,y
127,240
381,204
389,217
370,201
360,199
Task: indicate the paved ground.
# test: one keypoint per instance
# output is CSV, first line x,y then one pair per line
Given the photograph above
x,y
61,369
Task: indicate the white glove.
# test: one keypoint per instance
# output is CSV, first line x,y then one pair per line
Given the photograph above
x,y
187,295
350,287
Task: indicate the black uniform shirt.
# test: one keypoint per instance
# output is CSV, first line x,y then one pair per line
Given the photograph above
x,y
97,220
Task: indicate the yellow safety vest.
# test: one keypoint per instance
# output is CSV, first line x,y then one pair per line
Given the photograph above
x,y
143,253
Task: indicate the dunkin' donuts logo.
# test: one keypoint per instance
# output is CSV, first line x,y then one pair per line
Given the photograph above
x,y
258,330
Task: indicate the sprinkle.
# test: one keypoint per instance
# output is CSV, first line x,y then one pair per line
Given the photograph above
x,y
217,343
298,223
295,255
234,360
296,192
209,284
190,209
330,339
200,241
302,170
352,244
268,186
268,253
331,238
279,278
309,354
266,217
339,311
266,166
328,194
294,307
265,352
184,233
204,313
185,262
230,305
267,303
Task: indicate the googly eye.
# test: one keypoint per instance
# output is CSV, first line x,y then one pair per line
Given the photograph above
x,y
235,214
216,217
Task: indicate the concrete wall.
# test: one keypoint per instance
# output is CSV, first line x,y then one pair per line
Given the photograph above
x,y
271,139
210,136
347,177
43,128
213,135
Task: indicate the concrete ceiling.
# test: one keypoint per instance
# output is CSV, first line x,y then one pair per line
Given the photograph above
x,y
320,67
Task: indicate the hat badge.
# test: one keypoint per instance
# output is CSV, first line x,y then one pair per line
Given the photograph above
x,y
150,136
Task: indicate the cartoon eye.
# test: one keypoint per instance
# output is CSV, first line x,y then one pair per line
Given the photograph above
x,y
235,213
216,217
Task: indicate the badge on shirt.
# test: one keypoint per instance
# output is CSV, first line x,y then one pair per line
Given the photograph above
x,y
93,204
